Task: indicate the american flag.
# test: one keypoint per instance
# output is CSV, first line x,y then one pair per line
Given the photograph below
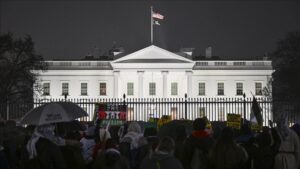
x,y
157,16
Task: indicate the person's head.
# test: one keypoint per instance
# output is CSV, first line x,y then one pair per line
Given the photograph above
x,y
46,130
134,127
296,128
166,145
199,124
227,135
282,120
89,133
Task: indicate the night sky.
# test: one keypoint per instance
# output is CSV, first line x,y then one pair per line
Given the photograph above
x,y
70,29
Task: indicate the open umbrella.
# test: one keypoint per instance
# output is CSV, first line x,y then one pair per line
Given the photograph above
x,y
53,113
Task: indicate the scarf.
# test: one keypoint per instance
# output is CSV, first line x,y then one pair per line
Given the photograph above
x,y
43,131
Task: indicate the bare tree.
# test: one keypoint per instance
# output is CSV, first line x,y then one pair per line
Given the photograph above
x,y
18,62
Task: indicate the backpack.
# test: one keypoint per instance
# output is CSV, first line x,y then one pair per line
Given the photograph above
x,y
199,159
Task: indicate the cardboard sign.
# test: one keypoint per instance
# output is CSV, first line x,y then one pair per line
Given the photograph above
x,y
111,111
234,121
256,127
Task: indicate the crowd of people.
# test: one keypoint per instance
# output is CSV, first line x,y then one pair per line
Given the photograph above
x,y
131,146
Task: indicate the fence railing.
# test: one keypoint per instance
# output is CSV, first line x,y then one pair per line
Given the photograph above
x,y
216,109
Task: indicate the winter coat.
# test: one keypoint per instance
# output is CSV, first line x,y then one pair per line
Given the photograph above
x,y
110,159
49,156
133,138
161,161
263,157
227,156
198,140
3,160
87,149
288,156
73,157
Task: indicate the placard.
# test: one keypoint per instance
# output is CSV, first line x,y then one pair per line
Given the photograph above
x,y
111,111
234,121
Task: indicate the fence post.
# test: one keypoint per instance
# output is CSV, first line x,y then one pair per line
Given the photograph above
x,y
244,96
7,110
66,96
124,104
185,105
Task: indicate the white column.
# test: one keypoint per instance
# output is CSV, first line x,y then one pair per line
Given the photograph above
x,y
141,84
189,83
116,83
165,83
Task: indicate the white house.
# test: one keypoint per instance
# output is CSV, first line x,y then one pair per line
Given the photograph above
x,y
154,72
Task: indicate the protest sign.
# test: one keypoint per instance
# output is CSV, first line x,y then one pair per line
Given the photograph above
x,y
234,121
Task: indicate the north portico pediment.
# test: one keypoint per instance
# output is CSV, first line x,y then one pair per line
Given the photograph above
x,y
153,57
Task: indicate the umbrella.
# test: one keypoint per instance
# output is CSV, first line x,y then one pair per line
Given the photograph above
x,y
53,113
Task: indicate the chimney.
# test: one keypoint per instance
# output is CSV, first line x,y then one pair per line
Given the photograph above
x,y
96,51
208,52
88,57
266,57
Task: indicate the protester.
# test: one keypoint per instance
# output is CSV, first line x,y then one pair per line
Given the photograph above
x,y
263,154
296,128
88,144
246,140
130,143
179,142
197,146
110,158
43,151
103,136
226,154
4,164
163,157
152,140
288,156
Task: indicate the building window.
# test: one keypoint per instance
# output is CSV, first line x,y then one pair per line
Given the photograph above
x,y
201,88
220,89
65,88
202,112
130,89
83,89
102,89
239,88
46,89
258,88
174,89
152,89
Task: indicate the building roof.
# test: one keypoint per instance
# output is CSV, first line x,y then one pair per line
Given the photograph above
x,y
152,54
79,65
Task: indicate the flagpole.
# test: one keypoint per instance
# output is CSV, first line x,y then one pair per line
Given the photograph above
x,y
151,24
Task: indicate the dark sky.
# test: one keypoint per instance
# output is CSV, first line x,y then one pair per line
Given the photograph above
x,y
70,29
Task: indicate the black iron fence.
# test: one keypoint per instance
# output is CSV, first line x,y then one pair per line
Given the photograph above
x,y
216,109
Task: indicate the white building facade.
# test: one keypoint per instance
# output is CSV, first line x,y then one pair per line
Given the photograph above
x,y
153,72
